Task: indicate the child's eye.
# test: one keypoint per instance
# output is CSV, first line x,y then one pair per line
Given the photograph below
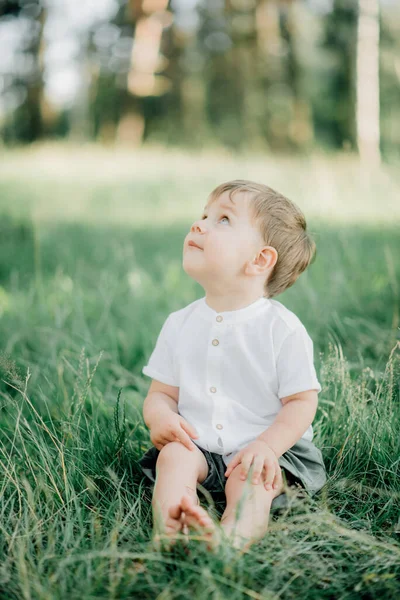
x,y
223,217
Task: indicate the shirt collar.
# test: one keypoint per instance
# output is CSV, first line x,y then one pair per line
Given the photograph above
x,y
232,316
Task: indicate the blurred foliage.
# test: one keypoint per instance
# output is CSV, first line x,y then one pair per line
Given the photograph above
x,y
262,74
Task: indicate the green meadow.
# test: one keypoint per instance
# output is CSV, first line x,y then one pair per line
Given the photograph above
x,y
90,266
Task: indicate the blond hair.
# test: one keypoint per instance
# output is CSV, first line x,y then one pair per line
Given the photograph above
x,y
282,225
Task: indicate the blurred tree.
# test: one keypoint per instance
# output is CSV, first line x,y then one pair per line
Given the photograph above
x,y
300,130
111,46
80,126
390,79
129,77
333,108
149,18
254,85
185,120
275,74
25,123
167,109
244,69
224,88
367,83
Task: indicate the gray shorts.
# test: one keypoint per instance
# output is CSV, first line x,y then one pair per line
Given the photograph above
x,y
302,464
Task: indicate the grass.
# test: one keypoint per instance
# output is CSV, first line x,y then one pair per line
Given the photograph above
x,y
90,265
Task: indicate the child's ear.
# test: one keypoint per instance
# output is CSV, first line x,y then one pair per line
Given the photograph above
x,y
264,261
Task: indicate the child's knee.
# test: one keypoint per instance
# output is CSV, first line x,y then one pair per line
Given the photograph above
x,y
176,455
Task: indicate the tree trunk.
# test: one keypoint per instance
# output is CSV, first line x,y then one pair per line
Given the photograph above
x,y
79,115
367,82
300,130
29,116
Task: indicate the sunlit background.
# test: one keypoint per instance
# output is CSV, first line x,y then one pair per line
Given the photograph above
x,y
277,75
117,120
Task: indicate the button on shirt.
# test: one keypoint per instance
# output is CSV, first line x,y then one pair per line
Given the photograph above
x,y
232,368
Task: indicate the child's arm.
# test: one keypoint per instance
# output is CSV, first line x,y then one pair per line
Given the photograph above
x,y
160,397
291,422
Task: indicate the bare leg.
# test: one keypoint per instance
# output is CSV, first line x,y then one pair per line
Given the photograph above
x,y
245,519
178,471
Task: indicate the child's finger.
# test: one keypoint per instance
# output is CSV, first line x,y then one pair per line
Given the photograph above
x,y
185,440
258,466
235,461
278,479
270,475
189,429
246,462
229,469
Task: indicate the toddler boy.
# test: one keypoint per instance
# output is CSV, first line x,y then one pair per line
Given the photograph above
x,y
234,388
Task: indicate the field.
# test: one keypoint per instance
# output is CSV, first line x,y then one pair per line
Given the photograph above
x,y
90,265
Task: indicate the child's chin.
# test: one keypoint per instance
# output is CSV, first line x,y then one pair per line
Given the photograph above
x,y
190,270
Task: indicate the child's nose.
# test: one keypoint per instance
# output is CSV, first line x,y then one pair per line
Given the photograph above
x,y
196,226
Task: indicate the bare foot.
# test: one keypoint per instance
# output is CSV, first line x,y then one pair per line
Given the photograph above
x,y
196,517
173,529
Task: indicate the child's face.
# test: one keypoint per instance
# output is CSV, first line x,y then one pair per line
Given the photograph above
x,y
227,240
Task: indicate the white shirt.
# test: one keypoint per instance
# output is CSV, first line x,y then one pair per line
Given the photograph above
x,y
232,368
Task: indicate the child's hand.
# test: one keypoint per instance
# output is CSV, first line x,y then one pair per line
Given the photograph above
x,y
171,427
264,462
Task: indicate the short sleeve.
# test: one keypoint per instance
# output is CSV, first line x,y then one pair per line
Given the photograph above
x,y
295,364
160,365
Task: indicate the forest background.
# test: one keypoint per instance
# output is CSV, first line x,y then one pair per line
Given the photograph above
x,y
117,119
283,75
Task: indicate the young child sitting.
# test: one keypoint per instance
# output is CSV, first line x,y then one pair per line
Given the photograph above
x,y
234,388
